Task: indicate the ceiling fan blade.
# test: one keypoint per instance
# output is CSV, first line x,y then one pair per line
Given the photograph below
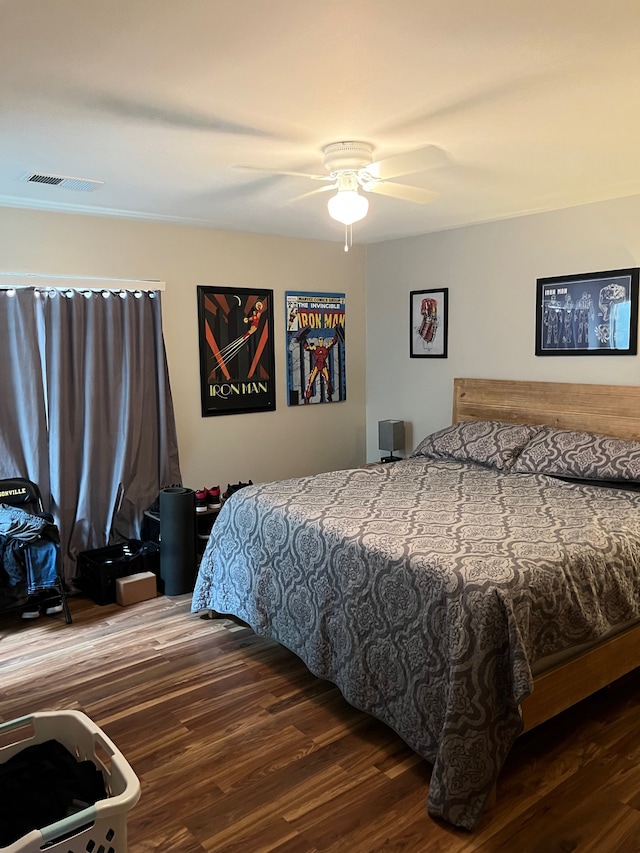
x,y
480,98
330,188
169,116
406,164
278,172
418,195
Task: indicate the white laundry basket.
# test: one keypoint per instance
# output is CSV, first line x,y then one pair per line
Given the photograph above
x,y
100,827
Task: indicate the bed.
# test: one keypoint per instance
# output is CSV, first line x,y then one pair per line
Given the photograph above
x,y
463,595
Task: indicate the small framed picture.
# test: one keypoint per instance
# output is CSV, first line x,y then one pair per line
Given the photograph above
x,y
428,321
592,313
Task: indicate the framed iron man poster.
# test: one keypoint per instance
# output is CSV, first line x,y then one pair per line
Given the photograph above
x,y
592,313
316,371
237,364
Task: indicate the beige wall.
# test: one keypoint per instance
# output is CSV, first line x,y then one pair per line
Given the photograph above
x,y
490,270
491,273
261,446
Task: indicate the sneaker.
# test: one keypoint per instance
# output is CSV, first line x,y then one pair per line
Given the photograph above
x,y
52,605
202,498
214,499
234,487
31,608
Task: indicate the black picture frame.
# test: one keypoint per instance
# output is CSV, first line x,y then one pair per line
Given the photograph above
x,y
315,345
237,362
592,313
428,323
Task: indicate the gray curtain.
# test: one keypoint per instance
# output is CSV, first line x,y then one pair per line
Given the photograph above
x,y
24,448
86,409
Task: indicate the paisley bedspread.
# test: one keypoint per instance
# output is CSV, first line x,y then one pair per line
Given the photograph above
x,y
426,590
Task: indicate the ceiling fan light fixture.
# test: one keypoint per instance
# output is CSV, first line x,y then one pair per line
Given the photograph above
x,y
348,206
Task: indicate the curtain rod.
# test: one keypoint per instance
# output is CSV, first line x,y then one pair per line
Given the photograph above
x,y
64,282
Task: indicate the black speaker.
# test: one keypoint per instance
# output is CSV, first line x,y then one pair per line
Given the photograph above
x,y
178,564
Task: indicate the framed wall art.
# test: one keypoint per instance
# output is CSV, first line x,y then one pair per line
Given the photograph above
x,y
428,323
237,366
315,324
588,314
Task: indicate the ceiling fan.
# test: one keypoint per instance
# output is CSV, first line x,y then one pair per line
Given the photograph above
x,y
351,167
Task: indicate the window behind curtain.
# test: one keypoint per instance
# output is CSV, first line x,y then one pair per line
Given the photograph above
x,y
86,409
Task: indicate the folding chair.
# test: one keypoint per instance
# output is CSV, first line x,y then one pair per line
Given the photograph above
x,y
22,493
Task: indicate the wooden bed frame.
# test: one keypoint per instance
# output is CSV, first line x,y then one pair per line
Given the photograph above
x,y
606,409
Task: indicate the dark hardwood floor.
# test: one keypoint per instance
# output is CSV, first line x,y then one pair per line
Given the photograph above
x,y
239,748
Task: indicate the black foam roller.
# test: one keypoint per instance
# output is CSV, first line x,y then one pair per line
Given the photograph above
x,y
177,540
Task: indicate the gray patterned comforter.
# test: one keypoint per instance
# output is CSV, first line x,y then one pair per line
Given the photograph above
x,y
426,591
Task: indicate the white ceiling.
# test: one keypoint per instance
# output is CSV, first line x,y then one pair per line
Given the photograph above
x,y
534,106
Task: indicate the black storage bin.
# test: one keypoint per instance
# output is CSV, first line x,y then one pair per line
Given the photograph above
x,y
150,556
98,570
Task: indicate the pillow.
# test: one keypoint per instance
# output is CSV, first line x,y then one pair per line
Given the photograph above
x,y
491,443
580,455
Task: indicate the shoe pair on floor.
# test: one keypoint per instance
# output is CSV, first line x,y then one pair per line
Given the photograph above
x,y
208,499
234,487
47,601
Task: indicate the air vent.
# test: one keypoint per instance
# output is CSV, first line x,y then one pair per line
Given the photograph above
x,y
83,185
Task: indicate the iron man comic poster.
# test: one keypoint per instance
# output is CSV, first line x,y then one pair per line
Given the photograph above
x,y
237,369
315,324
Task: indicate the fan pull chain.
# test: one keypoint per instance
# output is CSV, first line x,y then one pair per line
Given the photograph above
x,y
348,237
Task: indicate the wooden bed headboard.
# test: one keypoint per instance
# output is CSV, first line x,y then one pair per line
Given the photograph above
x,y
605,409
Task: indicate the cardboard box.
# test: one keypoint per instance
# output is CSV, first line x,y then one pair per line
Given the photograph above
x,y
134,588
